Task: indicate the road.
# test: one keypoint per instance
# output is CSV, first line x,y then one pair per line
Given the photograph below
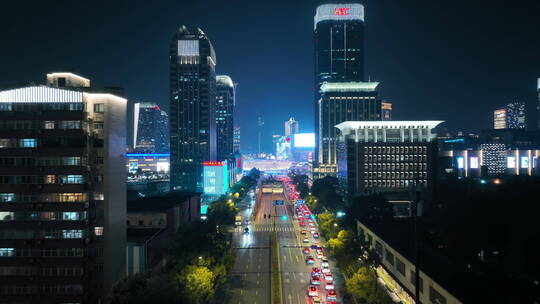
x,y
250,278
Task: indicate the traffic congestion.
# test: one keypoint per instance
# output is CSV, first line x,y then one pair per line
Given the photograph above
x,y
321,287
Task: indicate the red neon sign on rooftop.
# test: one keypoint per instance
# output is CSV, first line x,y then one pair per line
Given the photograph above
x,y
341,11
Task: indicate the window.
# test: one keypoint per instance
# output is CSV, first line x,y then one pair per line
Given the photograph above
x,y
98,231
70,216
50,179
72,179
7,252
48,124
99,107
378,248
99,160
72,234
413,281
71,161
389,256
435,297
70,124
71,197
99,125
7,197
28,143
99,196
400,266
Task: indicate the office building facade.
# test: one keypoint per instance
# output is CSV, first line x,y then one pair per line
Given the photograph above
x,y
192,108
340,102
339,49
387,157
236,140
225,102
291,127
150,129
62,192
511,116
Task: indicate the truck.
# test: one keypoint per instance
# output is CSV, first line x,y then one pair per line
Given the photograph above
x,y
238,220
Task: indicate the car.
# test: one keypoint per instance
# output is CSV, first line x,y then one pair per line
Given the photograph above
x,y
315,280
305,240
312,231
328,277
316,235
320,255
303,232
310,260
315,300
329,285
331,295
325,270
313,291
324,262
306,250
315,271
302,224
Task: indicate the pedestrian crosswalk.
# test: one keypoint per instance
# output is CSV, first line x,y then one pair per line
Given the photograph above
x,y
270,227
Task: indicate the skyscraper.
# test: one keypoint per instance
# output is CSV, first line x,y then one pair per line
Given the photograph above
x,y
538,104
62,192
260,124
511,116
340,102
151,128
339,47
225,101
192,106
291,127
236,140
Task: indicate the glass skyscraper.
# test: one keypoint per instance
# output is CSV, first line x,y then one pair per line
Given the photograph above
x,y
151,128
192,106
225,101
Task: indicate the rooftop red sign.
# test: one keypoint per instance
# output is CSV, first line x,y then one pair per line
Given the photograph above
x,y
341,11
212,163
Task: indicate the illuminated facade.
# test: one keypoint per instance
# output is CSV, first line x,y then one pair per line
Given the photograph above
x,y
236,140
538,104
386,110
151,128
148,162
339,52
291,127
192,107
225,102
62,192
387,157
340,102
511,116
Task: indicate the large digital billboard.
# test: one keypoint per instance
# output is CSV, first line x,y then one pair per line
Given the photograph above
x,y
216,177
304,140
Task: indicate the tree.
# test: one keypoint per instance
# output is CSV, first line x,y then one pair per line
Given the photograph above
x,y
325,190
129,289
327,224
363,286
198,283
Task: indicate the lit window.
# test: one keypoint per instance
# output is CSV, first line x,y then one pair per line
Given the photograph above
x,y
72,179
99,196
7,252
72,234
99,108
70,216
7,197
28,143
50,179
98,231
48,124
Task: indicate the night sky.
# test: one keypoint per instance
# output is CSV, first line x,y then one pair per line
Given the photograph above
x,y
449,60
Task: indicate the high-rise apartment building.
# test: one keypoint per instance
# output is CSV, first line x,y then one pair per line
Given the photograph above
x,y
340,102
192,108
150,129
291,127
511,116
225,101
62,192
388,157
538,104
236,140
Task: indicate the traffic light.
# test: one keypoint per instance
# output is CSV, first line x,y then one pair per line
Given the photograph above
x,y
283,217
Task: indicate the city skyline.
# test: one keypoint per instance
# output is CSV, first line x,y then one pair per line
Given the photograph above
x,y
440,77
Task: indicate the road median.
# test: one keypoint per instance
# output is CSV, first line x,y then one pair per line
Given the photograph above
x,y
276,277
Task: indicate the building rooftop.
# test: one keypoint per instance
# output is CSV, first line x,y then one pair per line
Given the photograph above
x,y
159,203
339,12
349,87
225,80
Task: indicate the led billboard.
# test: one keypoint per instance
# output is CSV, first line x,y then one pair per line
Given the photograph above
x,y
304,140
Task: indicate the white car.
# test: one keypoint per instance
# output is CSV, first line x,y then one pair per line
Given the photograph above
x,y
325,270
306,241
329,286
328,277
324,262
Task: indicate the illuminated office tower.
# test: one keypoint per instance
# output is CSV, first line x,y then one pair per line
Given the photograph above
x,y
225,101
236,140
511,116
291,127
62,192
192,108
151,128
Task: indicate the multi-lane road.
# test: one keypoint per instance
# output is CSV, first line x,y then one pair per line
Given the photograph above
x,y
250,278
